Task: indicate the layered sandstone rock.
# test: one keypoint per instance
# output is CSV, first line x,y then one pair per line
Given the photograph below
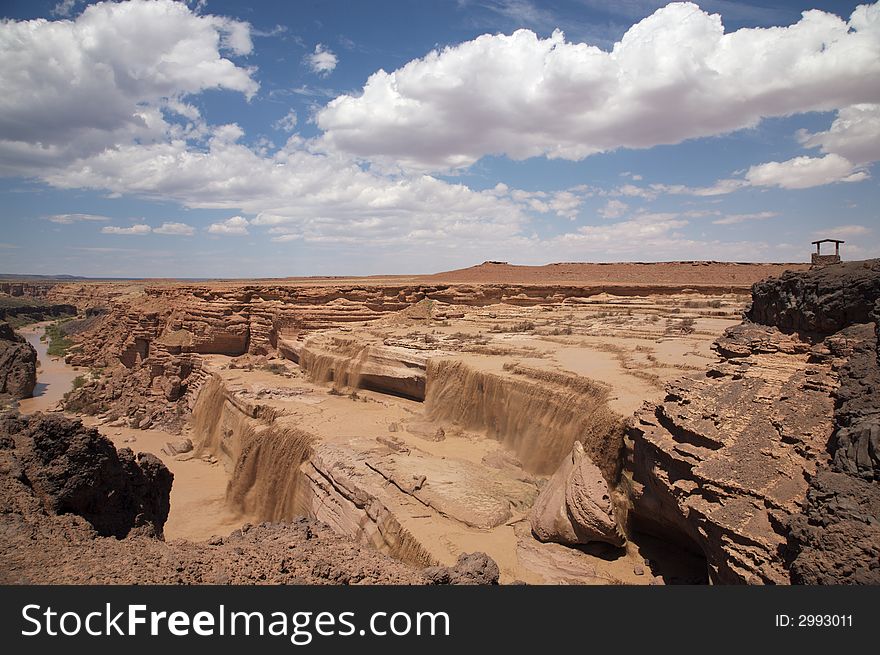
x,y
767,463
723,462
574,507
18,364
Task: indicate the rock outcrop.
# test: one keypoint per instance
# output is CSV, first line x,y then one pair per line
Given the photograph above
x,y
574,507
54,472
18,364
837,539
767,464
73,469
819,302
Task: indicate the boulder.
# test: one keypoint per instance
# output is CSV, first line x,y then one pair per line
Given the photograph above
x,y
178,447
574,507
470,569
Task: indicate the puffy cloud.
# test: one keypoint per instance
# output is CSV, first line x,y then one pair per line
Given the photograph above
x,y
286,122
175,229
323,61
613,209
67,219
72,88
734,219
233,227
139,229
673,76
804,172
321,196
566,204
796,173
854,134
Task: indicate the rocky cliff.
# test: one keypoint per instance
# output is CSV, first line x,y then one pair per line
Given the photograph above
x,y
72,469
819,302
18,364
74,510
766,464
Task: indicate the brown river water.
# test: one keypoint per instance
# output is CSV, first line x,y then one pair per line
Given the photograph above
x,y
54,377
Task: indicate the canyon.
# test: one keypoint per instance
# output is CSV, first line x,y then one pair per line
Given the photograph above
x,y
682,422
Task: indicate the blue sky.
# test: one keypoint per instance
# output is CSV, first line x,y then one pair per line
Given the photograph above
x,y
218,139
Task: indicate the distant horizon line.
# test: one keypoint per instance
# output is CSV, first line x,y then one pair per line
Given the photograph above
x,y
8,277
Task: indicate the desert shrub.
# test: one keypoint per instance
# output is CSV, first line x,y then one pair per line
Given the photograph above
x,y
521,326
59,344
276,368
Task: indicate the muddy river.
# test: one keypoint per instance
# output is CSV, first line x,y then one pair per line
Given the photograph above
x,y
54,377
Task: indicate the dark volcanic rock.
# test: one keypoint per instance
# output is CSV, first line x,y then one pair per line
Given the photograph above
x,y
18,364
837,539
73,469
856,446
821,301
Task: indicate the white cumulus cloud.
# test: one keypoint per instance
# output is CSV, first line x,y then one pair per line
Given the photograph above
x,y
234,227
74,87
854,134
286,122
613,209
323,61
673,76
804,172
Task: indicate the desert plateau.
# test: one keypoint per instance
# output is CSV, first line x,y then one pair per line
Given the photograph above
x,y
566,424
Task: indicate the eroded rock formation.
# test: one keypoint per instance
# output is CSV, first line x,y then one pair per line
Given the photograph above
x,y
574,506
18,364
764,464
767,463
